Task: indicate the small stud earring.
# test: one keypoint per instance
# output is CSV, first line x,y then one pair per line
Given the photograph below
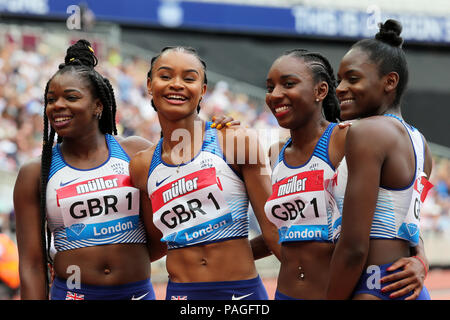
x,y
317,99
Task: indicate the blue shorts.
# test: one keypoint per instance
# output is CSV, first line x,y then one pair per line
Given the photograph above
x,y
252,289
369,283
140,290
282,296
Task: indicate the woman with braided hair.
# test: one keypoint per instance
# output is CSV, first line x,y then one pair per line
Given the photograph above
x,y
79,192
300,93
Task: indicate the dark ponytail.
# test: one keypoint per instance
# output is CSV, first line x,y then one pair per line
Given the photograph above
x,y
386,51
390,33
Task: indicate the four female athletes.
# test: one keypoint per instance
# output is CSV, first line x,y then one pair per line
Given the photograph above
x,y
195,198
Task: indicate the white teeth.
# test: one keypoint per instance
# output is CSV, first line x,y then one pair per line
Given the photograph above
x,y
280,109
176,97
62,119
347,101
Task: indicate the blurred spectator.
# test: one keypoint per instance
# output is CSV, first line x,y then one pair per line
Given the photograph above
x,y
435,213
219,99
9,268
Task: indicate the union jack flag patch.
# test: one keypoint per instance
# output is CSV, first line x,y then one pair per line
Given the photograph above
x,y
178,298
74,296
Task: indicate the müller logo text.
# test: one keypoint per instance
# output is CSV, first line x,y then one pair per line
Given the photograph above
x,y
97,185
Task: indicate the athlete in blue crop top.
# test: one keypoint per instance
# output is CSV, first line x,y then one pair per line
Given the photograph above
x,y
195,193
80,190
388,162
301,95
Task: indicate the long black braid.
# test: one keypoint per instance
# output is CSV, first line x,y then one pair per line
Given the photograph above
x,y
112,97
80,58
322,71
46,157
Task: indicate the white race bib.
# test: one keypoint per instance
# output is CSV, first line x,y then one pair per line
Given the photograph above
x,y
297,207
190,208
99,208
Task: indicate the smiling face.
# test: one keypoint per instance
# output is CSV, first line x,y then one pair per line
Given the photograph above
x,y
71,108
177,84
361,90
291,92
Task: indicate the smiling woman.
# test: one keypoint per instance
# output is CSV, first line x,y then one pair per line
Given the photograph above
x,y
198,199
381,181
300,93
79,192
188,76
67,89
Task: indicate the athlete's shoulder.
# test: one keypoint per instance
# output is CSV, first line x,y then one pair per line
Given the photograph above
x,y
29,175
140,165
133,144
144,155
376,126
32,166
341,129
372,135
275,149
247,146
336,146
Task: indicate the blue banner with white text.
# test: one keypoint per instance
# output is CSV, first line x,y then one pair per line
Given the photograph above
x,y
296,20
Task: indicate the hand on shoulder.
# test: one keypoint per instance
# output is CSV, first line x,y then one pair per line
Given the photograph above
x,y
220,122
